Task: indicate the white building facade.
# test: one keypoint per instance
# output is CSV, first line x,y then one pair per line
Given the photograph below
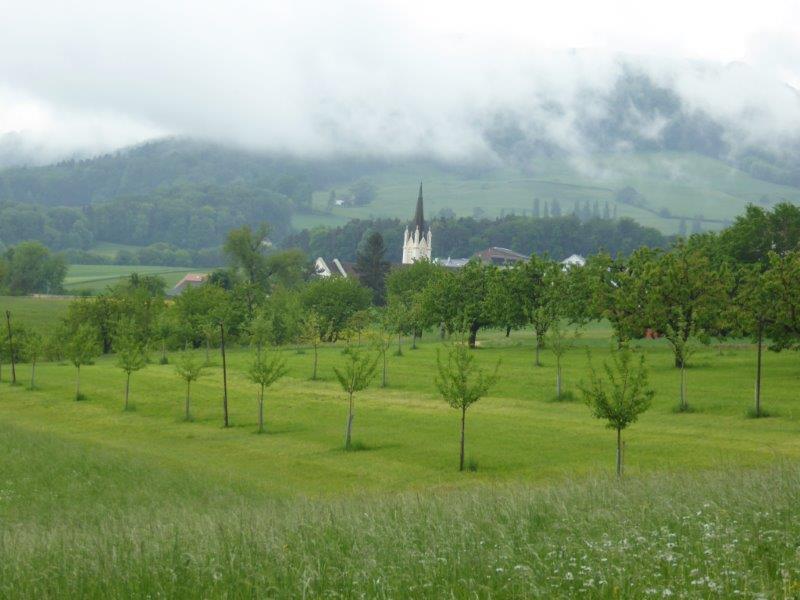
x,y
417,241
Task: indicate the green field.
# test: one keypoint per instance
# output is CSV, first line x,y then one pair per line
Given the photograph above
x,y
686,184
98,502
41,314
96,278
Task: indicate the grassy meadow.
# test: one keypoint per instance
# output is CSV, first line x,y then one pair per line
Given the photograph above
x,y
685,184
98,502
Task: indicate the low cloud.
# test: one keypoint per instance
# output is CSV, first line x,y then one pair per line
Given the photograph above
x,y
352,77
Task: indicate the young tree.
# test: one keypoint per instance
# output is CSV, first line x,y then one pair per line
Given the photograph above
x,y
189,368
163,329
34,346
264,371
621,395
461,383
560,342
354,376
11,349
131,353
381,337
82,348
260,330
313,333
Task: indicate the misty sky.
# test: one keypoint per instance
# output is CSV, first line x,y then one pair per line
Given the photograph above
x,y
392,76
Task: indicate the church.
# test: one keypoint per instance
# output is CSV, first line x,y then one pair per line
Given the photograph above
x,y
417,241
418,245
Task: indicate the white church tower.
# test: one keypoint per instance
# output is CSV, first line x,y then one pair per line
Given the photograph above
x,y
417,242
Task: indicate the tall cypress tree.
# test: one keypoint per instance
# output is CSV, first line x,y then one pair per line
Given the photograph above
x,y
372,267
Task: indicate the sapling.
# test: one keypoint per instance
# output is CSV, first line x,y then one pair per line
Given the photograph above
x,y
264,371
354,376
189,368
313,332
131,354
82,348
34,346
619,396
461,383
559,343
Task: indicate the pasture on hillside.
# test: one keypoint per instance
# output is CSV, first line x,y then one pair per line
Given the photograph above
x,y
685,184
98,502
96,278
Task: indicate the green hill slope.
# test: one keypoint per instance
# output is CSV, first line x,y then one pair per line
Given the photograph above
x,y
672,185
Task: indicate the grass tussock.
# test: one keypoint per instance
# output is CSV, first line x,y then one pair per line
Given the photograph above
x,y
762,414
567,396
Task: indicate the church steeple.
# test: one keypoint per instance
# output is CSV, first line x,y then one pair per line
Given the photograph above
x,y
419,215
417,241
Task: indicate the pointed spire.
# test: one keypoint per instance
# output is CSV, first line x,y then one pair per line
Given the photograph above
x,y
419,215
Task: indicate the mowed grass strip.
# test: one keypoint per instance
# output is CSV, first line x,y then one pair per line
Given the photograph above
x,y
409,435
96,278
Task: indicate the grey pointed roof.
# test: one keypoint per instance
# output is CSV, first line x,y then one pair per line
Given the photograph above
x,y
419,214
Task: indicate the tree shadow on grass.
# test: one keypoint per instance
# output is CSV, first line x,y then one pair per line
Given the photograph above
x,y
359,446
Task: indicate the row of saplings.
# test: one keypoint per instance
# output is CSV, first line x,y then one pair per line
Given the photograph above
x,y
618,394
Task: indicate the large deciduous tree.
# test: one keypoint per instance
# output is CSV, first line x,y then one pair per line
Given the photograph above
x,y
335,300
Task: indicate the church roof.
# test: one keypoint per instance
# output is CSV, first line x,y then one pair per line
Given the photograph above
x,y
419,214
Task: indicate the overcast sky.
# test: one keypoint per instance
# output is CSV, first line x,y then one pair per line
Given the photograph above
x,y
392,76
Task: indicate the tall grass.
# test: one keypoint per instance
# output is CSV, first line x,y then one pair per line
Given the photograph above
x,y
87,525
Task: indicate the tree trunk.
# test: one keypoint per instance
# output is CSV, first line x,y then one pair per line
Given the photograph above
x,y
188,416
758,370
508,330
619,452
163,352
224,375
385,380
349,433
538,350
314,373
261,411
414,340
127,389
33,374
679,362
442,332
399,344
558,377
78,384
684,403
11,349
473,334
463,426
208,351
